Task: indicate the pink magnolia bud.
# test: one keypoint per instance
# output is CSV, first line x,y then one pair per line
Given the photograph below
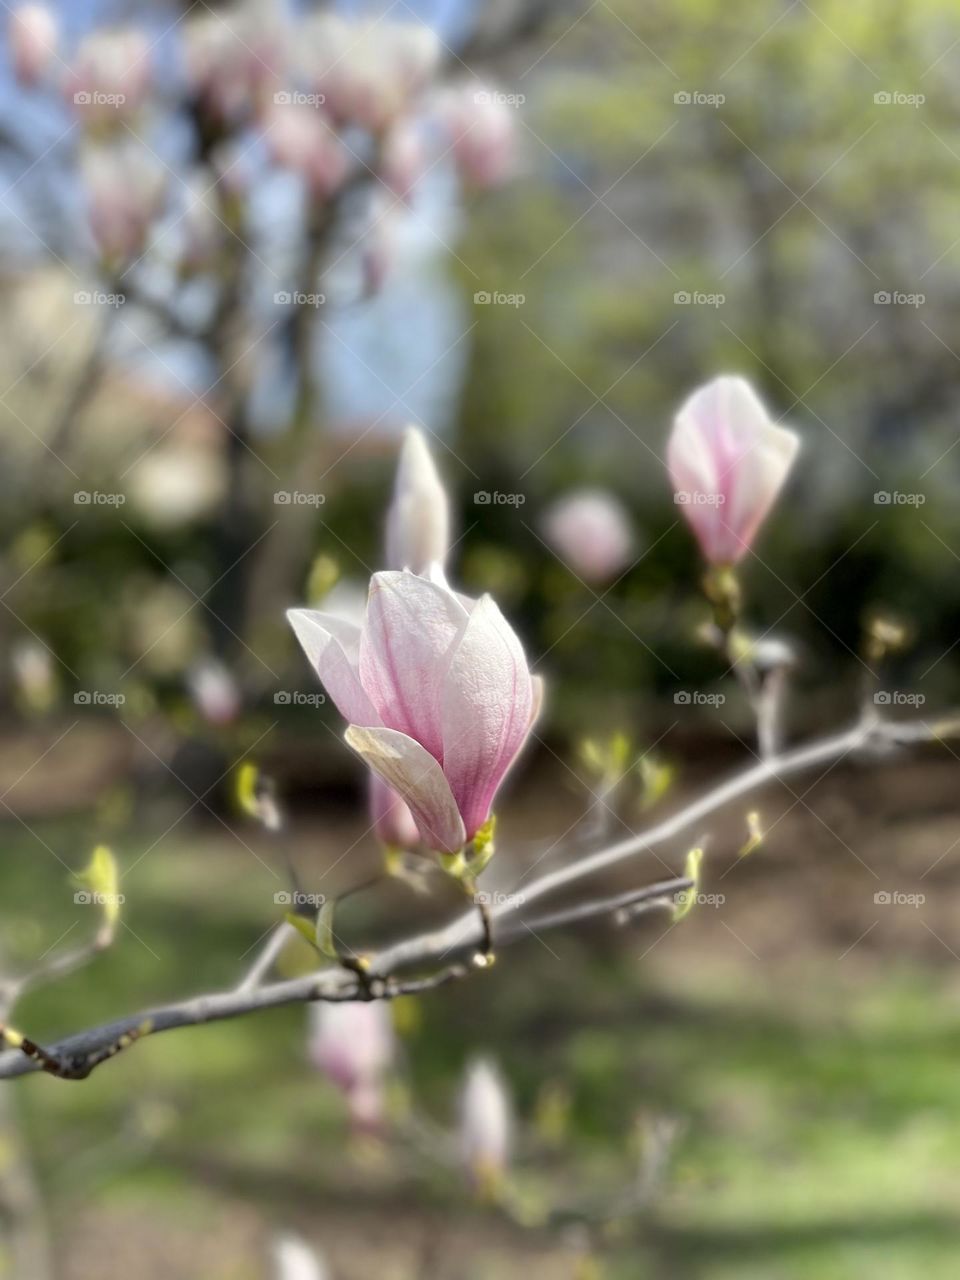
x,y
437,693
367,72
727,462
230,58
214,691
403,160
590,531
110,76
392,820
418,522
33,34
124,190
353,1044
482,134
485,1125
299,138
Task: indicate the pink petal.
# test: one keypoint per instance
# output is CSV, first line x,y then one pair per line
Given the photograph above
x,y
411,628
417,777
486,709
332,646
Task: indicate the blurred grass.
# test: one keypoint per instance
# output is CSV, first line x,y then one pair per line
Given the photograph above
x,y
820,1119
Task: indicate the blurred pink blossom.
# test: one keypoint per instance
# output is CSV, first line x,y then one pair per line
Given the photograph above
x,y
485,1125
299,138
231,59
728,462
214,691
438,696
482,133
124,192
367,72
33,33
353,1044
590,531
110,76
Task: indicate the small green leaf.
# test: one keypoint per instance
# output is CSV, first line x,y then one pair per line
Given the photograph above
x,y
324,929
686,898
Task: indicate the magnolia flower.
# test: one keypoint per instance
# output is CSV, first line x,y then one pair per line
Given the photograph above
x,y
124,189
392,820
485,1125
295,1260
403,159
437,693
300,139
229,59
33,35
480,126
214,691
367,72
590,531
110,75
418,522
728,462
353,1044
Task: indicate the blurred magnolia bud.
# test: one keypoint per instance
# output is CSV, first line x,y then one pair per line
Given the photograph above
x,y
34,676
214,691
403,158
728,462
392,820
352,1043
295,1260
300,139
110,76
33,34
229,59
418,522
485,1126
481,130
366,72
124,190
590,531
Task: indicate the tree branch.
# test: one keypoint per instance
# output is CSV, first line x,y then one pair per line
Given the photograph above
x,y
448,946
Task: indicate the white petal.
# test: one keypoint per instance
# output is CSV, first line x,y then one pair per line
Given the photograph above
x,y
332,646
416,776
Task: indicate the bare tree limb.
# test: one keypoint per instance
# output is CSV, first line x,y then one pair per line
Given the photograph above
x,y
441,952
